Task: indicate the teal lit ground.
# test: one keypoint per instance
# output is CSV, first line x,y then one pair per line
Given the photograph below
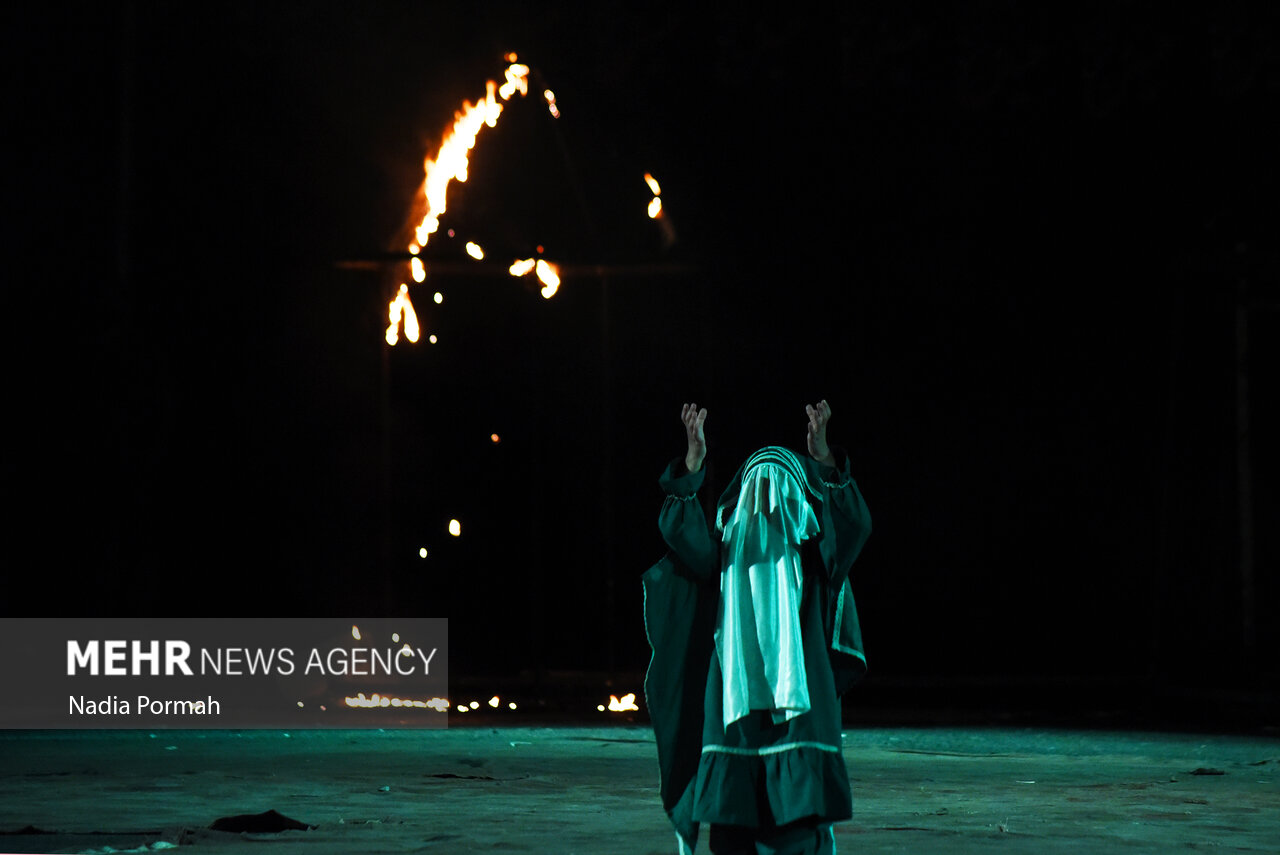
x,y
497,787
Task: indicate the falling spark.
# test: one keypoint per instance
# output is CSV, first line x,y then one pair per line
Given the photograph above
x,y
551,103
474,250
549,275
402,308
655,204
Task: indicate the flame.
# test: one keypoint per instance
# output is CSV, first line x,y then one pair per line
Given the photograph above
x,y
450,164
402,308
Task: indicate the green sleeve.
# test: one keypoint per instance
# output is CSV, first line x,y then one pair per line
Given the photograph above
x,y
846,522
683,523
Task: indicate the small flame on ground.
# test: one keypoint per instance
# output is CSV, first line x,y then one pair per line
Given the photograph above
x,y
625,704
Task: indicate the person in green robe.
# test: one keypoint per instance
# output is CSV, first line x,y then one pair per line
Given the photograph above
x,y
755,637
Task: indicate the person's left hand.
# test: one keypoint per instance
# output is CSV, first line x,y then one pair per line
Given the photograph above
x,y
816,438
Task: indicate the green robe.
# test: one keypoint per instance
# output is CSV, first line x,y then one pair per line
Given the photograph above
x,y
755,774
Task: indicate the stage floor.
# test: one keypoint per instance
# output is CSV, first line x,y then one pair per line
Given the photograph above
x,y
591,790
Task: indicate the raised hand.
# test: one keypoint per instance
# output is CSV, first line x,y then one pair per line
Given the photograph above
x,y
816,438
693,419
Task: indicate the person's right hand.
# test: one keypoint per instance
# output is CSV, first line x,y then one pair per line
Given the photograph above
x,y
693,419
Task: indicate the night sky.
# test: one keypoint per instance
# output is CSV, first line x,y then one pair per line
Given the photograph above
x,y
1009,243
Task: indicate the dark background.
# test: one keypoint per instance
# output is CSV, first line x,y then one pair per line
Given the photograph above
x,y
1027,252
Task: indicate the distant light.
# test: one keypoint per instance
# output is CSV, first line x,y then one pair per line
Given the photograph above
x,y
474,705
455,528
301,705
450,232
419,272
355,632
494,701
463,708
511,705
600,707
494,438
438,297
422,553
395,636
432,339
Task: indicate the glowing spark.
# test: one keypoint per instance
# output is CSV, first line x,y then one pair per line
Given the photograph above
x,y
653,184
474,705
520,268
395,636
511,705
438,704
627,703
655,208
494,438
600,707
438,297
549,275
419,272
400,308
422,553
455,528
355,632
432,339
474,250
551,103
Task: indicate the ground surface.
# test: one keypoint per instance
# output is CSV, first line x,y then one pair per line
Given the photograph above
x,y
594,790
